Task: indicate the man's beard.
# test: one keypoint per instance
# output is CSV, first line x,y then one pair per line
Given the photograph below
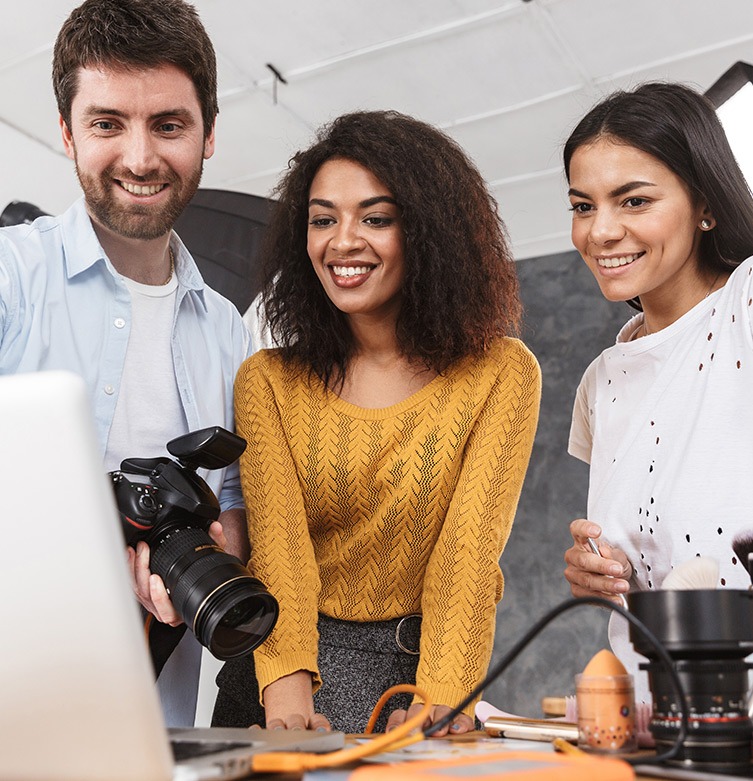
x,y
137,221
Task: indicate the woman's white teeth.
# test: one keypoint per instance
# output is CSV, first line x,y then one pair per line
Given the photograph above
x,y
142,189
349,271
614,262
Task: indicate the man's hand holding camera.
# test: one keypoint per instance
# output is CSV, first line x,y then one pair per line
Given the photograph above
x,y
187,556
150,588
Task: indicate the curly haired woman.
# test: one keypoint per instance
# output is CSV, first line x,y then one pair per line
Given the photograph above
x,y
388,433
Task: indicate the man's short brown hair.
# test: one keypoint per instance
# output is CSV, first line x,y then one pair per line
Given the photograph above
x,y
135,34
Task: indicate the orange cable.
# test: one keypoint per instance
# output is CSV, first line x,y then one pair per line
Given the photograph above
x,y
292,762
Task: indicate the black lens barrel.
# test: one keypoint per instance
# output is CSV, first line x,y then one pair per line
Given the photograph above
x,y
719,730
229,611
236,618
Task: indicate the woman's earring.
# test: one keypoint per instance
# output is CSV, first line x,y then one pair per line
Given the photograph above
x,y
705,224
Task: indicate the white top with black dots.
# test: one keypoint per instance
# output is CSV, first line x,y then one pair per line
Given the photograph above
x,y
666,424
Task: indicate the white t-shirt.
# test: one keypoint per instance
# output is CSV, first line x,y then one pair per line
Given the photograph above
x,y
148,413
666,424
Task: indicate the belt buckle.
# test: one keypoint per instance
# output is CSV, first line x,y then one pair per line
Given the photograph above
x,y
398,642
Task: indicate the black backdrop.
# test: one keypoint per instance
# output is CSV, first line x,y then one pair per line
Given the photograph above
x,y
223,230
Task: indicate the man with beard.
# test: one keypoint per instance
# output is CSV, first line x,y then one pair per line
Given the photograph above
x,y
108,291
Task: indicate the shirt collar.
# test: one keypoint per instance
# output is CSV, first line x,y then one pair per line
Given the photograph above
x,y
80,244
82,250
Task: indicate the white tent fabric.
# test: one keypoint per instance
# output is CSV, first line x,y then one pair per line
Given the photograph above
x,y
506,78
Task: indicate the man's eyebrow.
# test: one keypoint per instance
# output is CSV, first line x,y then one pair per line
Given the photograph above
x,y
92,111
362,204
617,192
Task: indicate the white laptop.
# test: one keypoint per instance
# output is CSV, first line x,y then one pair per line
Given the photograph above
x,y
77,697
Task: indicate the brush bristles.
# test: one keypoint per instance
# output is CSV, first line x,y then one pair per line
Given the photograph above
x,y
701,572
742,545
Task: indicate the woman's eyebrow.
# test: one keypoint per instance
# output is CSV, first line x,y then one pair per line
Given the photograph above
x,y
626,188
578,193
362,204
617,192
377,199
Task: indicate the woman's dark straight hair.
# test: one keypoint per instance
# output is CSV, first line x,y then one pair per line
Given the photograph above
x,y
680,128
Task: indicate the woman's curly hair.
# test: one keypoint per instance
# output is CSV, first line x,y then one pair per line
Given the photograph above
x,y
461,287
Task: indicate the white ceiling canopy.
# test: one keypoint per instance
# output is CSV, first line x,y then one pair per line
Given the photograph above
x,y
507,78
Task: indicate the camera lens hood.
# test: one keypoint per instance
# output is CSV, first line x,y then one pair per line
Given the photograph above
x,y
705,622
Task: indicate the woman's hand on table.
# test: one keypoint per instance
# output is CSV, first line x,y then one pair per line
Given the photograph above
x,y
460,724
289,704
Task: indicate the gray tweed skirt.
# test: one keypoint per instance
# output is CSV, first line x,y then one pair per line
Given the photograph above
x,y
358,662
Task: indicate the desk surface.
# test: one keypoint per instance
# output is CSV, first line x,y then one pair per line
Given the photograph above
x,y
442,749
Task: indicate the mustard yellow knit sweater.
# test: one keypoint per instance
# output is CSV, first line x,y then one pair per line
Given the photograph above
x,y
372,514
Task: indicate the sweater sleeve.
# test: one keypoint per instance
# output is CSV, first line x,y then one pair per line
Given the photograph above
x,y
282,555
463,580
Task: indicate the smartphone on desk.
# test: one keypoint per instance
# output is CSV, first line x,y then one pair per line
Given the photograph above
x,y
530,729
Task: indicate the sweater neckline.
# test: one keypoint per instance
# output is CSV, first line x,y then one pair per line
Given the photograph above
x,y
382,413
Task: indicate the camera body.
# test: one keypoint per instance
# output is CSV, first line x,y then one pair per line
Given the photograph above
x,y
171,495
165,503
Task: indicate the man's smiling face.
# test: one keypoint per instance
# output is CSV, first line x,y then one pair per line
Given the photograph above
x,y
138,142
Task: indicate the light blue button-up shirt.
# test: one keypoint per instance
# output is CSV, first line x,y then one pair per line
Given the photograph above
x,y
63,306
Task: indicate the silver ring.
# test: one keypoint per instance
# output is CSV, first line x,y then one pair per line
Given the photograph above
x,y
397,635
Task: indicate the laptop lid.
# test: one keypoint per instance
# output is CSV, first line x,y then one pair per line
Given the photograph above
x,y
77,695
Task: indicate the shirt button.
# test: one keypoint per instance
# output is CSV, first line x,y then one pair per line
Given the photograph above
x,y
109,390
119,322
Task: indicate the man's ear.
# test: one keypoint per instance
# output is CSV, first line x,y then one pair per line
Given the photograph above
x,y
209,142
67,138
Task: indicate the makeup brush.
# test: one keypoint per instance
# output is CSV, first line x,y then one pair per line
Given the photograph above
x,y
701,572
742,545
595,549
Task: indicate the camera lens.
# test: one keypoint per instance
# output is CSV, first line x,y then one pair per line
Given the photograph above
x,y
229,611
237,618
720,730
707,634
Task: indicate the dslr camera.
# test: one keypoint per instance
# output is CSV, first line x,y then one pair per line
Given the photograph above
x,y
164,502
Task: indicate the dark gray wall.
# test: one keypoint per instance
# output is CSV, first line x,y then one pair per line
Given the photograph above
x,y
567,324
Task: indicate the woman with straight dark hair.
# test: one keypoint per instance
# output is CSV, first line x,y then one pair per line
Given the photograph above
x,y
663,218
388,433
